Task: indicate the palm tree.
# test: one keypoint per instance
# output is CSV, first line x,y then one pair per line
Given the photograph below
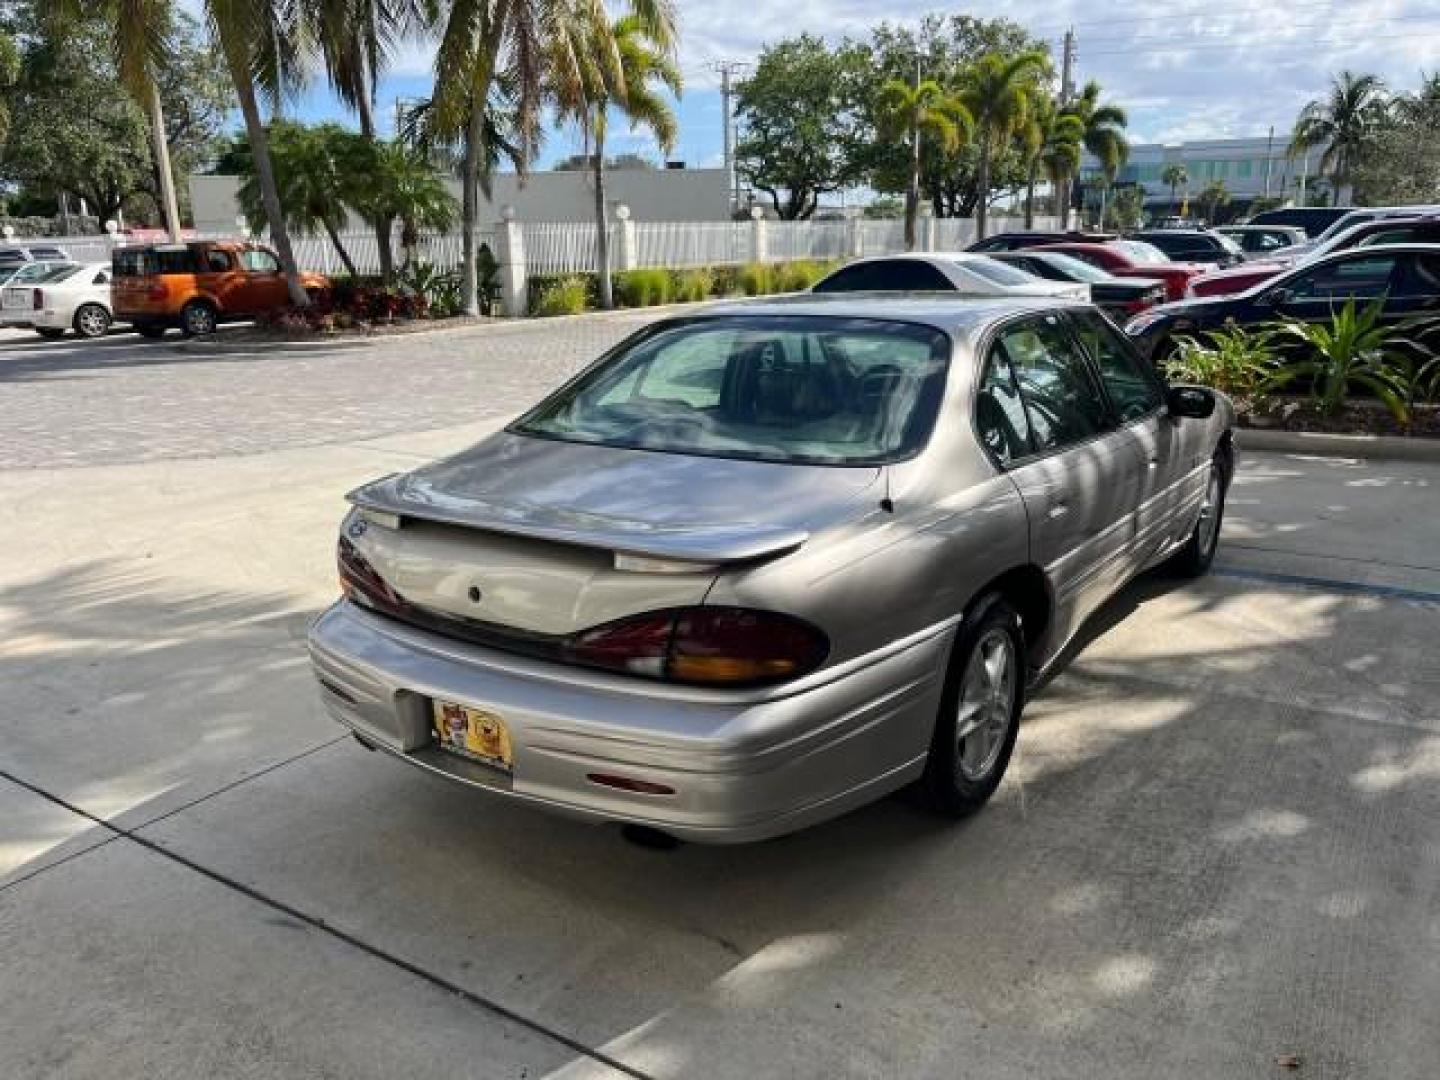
x,y
356,39
315,171
1049,140
1175,177
915,113
262,42
141,42
1212,198
997,95
623,79
516,45
1342,122
406,186
1104,127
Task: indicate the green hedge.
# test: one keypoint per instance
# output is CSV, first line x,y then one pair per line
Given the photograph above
x,y
570,294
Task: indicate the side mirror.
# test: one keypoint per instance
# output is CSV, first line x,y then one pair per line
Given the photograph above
x,y
1279,297
1190,402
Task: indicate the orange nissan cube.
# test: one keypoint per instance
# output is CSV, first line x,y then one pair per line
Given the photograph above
x,y
198,285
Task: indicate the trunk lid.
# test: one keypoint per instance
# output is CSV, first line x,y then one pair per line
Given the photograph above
x,y
532,527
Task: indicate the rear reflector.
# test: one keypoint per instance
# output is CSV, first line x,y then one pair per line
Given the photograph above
x,y
626,783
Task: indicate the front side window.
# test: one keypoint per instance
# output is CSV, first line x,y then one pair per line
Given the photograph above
x,y
1062,402
1000,419
796,389
1359,279
1133,390
260,261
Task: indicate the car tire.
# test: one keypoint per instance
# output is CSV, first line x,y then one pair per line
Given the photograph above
x,y
91,321
50,333
1194,559
153,331
198,318
984,691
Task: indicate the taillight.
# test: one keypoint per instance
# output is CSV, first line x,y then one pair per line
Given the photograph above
x,y
37,298
708,646
362,583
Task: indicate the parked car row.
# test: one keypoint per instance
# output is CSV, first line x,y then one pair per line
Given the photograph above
x,y
191,286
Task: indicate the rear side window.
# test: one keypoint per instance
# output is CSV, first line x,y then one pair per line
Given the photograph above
x,y
887,275
1360,279
217,261
143,262
259,261
1063,404
1000,419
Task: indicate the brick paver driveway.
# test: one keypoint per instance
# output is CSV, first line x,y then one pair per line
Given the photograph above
x,y
127,400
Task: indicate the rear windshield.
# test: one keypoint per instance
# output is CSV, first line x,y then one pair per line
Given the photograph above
x,y
33,272
798,389
142,262
1077,269
997,272
1141,252
58,273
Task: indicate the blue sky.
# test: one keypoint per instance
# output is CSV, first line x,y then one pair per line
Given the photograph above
x,y
1185,69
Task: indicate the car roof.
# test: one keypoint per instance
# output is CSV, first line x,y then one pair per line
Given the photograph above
x,y
941,310
925,256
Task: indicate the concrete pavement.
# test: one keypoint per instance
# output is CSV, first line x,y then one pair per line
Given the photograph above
x,y
1216,845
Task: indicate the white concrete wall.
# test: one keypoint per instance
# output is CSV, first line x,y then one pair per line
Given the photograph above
x,y
651,194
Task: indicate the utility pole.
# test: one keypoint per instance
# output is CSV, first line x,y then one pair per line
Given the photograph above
x,y
1269,160
728,69
1067,67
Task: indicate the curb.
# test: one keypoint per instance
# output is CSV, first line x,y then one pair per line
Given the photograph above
x,y
1322,444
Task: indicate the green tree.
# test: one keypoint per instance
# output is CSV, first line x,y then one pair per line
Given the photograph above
x,y
316,169
630,84
355,40
947,47
1212,199
9,73
1127,210
1342,123
1050,141
1104,136
799,128
1401,163
405,186
920,113
997,93
1174,176
489,48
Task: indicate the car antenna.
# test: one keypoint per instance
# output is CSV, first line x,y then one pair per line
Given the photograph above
x,y
886,503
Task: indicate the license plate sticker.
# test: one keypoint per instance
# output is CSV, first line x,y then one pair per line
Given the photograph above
x,y
477,734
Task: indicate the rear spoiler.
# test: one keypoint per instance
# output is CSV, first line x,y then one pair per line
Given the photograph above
x,y
713,544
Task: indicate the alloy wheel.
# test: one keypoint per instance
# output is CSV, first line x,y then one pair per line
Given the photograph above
x,y
987,705
92,321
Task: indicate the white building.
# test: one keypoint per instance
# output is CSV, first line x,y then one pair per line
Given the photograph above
x,y
1249,169
651,195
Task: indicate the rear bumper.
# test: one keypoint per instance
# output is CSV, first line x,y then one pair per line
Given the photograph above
x,y
743,765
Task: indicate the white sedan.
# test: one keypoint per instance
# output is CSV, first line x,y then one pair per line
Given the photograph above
x,y
71,297
946,271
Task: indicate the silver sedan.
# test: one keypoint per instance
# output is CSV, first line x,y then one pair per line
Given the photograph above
x,y
763,564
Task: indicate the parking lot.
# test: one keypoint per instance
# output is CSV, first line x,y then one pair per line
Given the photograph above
x,y
1215,855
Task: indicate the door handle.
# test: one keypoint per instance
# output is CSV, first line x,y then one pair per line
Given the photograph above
x,y
1154,463
1057,510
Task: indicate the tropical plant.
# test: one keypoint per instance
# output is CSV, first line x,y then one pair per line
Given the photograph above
x,y
1050,140
997,94
1103,125
1351,350
644,287
1211,199
439,290
403,184
923,111
1175,176
1343,123
316,173
622,67
569,295
1414,354
516,51
1236,360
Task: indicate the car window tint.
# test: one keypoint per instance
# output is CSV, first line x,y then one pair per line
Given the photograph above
x,y
1358,278
1000,419
1062,401
1133,390
259,261
1421,276
217,261
997,272
887,275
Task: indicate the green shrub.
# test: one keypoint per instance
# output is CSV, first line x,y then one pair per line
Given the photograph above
x,y
692,285
798,276
1351,350
565,295
1237,361
726,281
645,287
756,279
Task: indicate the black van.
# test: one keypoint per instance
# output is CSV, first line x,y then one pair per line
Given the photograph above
x,y
1313,219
